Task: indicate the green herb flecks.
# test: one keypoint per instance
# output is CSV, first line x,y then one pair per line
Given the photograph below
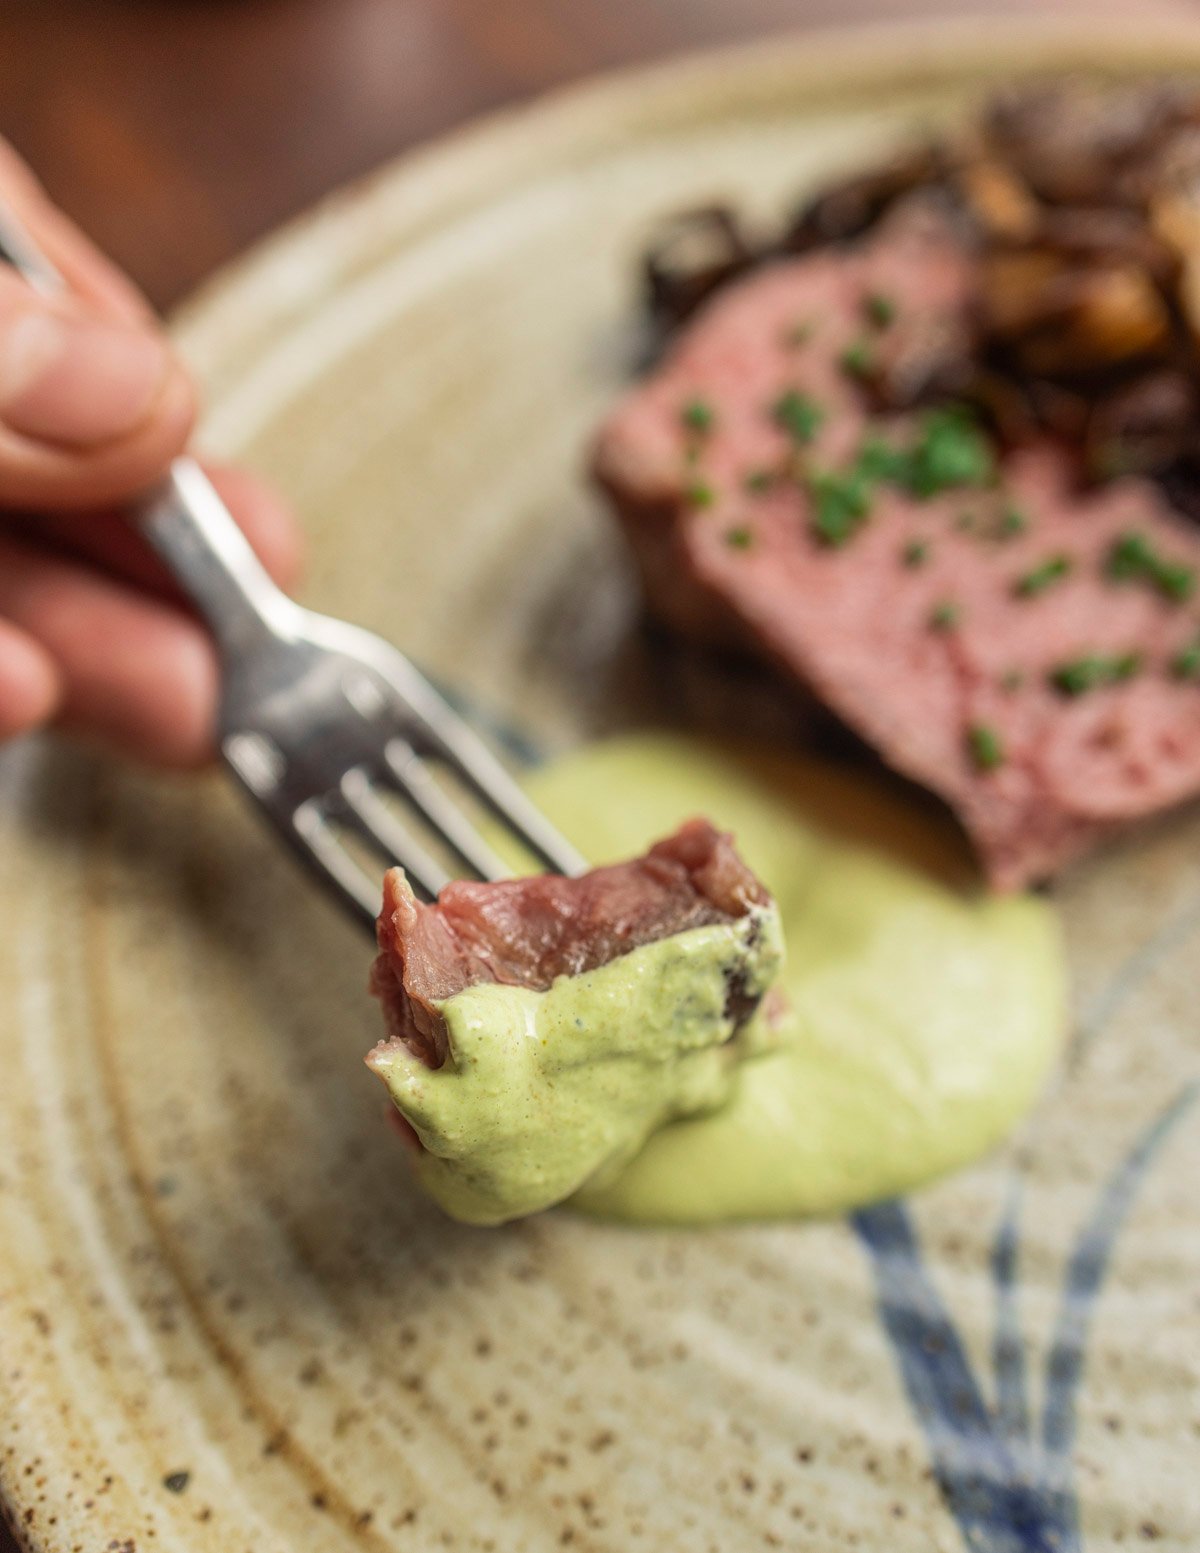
x,y
1011,522
880,460
950,451
698,417
759,481
740,538
858,359
1133,558
1176,580
879,309
1130,558
966,522
841,504
1186,663
1046,575
798,415
945,616
699,494
985,747
915,553
1093,671
1012,680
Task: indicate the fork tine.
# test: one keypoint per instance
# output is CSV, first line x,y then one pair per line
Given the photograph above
x,y
413,779
316,844
371,819
488,779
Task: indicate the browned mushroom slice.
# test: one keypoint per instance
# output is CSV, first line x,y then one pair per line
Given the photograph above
x,y
1175,219
689,257
1107,236
1070,142
847,209
998,200
1020,289
1061,320
1141,427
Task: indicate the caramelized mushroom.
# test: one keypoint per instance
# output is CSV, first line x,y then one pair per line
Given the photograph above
x,y
847,209
998,201
689,257
1082,207
1142,427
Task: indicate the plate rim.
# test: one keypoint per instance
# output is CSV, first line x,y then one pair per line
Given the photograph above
x,y
834,56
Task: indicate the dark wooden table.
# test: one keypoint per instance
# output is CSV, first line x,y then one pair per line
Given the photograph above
x,y
177,131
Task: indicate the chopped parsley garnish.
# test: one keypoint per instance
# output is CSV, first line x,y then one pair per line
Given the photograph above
x,y
965,521
700,495
739,538
1042,577
985,746
1012,521
698,416
759,480
841,504
879,460
1012,679
879,309
858,359
1094,670
798,415
915,553
1176,580
1133,558
949,450
944,616
952,450
1186,663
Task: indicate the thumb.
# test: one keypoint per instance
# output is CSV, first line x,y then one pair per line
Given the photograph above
x,y
92,407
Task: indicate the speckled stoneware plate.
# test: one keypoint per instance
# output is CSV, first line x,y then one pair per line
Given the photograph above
x,y
226,1320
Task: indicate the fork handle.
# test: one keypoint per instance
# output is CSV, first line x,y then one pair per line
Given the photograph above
x,y
183,517
195,534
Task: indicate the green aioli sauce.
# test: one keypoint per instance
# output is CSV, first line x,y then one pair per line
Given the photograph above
x,y
543,1091
923,1013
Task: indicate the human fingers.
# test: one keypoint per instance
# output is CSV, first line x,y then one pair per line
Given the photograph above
x,y
135,673
30,684
110,541
92,410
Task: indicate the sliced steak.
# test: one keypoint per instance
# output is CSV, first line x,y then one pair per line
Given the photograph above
x,y
1028,652
527,932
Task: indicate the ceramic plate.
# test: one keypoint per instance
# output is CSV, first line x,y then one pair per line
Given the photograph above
x,y
226,1320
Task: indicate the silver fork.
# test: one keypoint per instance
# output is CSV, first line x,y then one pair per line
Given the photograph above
x,y
319,718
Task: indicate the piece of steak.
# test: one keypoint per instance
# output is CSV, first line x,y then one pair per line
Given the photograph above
x,y
1028,652
527,932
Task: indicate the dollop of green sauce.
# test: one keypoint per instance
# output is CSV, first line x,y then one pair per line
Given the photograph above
x,y
544,1091
924,1016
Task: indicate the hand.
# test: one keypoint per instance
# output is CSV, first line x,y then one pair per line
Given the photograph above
x,y
94,405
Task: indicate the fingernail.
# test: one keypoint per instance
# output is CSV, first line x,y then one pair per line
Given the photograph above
x,y
79,381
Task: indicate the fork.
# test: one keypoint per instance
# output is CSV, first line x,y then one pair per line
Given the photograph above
x,y
319,719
